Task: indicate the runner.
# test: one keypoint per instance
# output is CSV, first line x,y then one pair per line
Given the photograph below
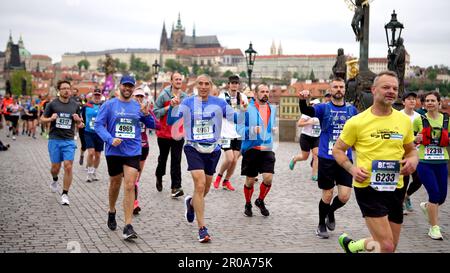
x,y
332,116
139,96
409,101
309,141
117,124
94,144
383,142
432,134
257,154
62,114
170,138
231,140
202,115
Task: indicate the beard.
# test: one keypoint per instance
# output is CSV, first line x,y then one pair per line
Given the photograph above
x,y
264,99
125,94
338,96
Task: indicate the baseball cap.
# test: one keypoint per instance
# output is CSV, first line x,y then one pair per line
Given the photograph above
x,y
407,94
138,91
234,78
327,94
128,79
97,91
315,101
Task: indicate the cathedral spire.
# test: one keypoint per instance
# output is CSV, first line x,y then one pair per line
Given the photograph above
x,y
273,48
179,26
193,31
280,49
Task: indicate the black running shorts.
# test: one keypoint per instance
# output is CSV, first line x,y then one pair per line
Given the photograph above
x,y
255,162
116,163
381,203
331,174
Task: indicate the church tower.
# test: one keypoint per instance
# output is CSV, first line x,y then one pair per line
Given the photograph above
x,y
273,48
280,49
164,42
178,35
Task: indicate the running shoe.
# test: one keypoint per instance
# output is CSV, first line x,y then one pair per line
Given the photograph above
x,y
112,224
54,186
330,222
227,186
314,178
177,192
262,207
408,204
203,236
129,233
89,178
291,164
190,213
94,176
217,182
344,241
423,206
65,200
248,210
435,233
322,232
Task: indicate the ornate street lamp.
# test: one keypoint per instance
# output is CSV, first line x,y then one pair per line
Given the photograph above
x,y
250,56
156,68
395,27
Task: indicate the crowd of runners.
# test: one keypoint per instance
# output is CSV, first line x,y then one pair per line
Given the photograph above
x,y
374,152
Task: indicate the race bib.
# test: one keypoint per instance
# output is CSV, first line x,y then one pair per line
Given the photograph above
x,y
316,130
63,122
434,153
92,123
203,129
125,128
385,175
225,143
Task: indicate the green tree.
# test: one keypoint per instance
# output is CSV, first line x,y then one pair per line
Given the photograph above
x,y
173,65
295,75
137,65
120,66
17,81
227,74
243,74
83,63
432,75
312,77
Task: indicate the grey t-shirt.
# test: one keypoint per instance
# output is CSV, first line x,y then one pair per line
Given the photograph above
x,y
64,126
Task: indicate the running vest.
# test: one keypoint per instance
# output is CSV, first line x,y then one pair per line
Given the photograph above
x,y
426,132
228,98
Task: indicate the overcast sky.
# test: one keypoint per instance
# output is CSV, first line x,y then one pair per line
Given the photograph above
x,y
53,27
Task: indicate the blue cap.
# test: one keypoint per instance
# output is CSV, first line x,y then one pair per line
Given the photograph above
x,y
128,79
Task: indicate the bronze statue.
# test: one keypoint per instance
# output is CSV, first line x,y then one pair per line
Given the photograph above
x,y
340,67
358,19
396,63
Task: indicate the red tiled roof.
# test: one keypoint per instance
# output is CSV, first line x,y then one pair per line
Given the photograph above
x,y
213,51
41,57
378,60
233,52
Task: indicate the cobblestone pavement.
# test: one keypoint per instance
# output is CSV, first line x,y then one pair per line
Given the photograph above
x,y
32,220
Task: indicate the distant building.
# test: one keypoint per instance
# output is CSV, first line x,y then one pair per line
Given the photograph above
x,y
179,40
38,63
96,58
377,65
280,66
210,57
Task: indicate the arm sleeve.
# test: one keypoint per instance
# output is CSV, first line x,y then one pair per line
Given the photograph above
x,y
48,111
100,122
305,109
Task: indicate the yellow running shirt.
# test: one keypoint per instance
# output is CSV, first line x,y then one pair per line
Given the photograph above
x,y
378,141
